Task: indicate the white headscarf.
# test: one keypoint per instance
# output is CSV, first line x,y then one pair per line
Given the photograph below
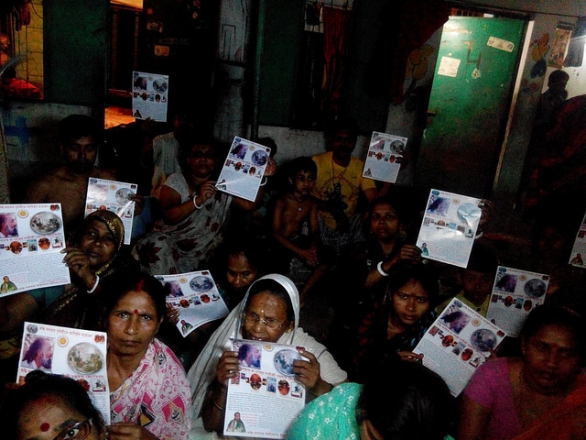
x,y
203,370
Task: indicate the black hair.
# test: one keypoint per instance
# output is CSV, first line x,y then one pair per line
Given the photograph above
x,y
274,288
406,271
302,163
40,385
74,127
343,123
557,75
253,250
482,259
119,284
549,314
269,142
187,136
406,401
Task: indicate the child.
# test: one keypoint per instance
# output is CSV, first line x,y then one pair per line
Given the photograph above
x,y
476,280
295,227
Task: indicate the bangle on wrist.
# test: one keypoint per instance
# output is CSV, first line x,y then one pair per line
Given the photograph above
x,y
195,203
264,181
217,406
93,289
379,267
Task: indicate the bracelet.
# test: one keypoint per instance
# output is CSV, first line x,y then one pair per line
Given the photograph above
x,y
379,267
218,406
195,204
93,289
264,181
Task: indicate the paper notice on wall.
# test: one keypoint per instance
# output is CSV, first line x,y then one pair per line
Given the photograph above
x,y
499,43
448,67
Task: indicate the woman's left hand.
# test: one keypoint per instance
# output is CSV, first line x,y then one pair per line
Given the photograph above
x,y
307,372
129,431
79,264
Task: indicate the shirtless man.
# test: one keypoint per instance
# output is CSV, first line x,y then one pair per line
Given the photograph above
x,y
79,136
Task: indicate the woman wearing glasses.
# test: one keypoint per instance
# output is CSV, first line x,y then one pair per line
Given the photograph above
x,y
50,407
270,313
194,212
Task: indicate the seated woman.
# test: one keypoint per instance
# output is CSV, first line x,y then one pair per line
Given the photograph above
x,y
403,400
396,323
269,312
50,407
387,244
540,395
149,393
195,214
94,255
239,263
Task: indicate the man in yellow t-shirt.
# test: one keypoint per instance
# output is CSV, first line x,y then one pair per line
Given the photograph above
x,y
338,185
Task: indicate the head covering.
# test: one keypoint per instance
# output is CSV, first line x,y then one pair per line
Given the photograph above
x,y
115,227
203,371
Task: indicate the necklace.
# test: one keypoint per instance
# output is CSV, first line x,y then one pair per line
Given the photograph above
x,y
340,175
299,208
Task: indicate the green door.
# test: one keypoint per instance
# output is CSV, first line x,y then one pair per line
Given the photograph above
x,y
469,104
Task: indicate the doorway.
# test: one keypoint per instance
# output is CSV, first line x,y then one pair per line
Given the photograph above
x,y
469,105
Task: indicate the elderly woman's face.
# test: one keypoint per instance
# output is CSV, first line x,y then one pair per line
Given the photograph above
x,y
202,160
552,360
50,418
265,318
98,243
132,324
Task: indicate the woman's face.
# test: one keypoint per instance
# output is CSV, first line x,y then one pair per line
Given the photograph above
x,y
202,161
409,303
384,222
50,418
551,359
263,308
239,273
132,324
98,243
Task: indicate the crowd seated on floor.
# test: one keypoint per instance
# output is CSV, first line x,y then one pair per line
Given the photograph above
x,y
323,259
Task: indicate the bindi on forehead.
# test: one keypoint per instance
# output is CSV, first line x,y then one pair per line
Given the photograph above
x,y
44,427
135,312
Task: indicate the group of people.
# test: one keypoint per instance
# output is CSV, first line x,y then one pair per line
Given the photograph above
x,y
363,302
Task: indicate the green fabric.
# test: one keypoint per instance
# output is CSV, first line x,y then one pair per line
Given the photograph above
x,y
331,416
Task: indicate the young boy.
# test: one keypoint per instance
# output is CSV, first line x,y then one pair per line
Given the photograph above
x,y
295,226
476,280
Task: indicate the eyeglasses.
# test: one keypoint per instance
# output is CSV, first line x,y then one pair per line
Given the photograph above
x,y
79,431
198,154
253,318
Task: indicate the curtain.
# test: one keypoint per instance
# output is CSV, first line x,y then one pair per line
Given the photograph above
x,y
335,31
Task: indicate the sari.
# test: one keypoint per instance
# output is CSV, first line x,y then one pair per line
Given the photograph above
x,y
203,372
189,244
76,308
156,395
567,421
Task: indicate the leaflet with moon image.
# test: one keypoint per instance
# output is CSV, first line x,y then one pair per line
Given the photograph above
x,y
515,293
449,226
150,96
113,196
196,297
384,157
79,354
264,398
457,343
244,168
31,241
